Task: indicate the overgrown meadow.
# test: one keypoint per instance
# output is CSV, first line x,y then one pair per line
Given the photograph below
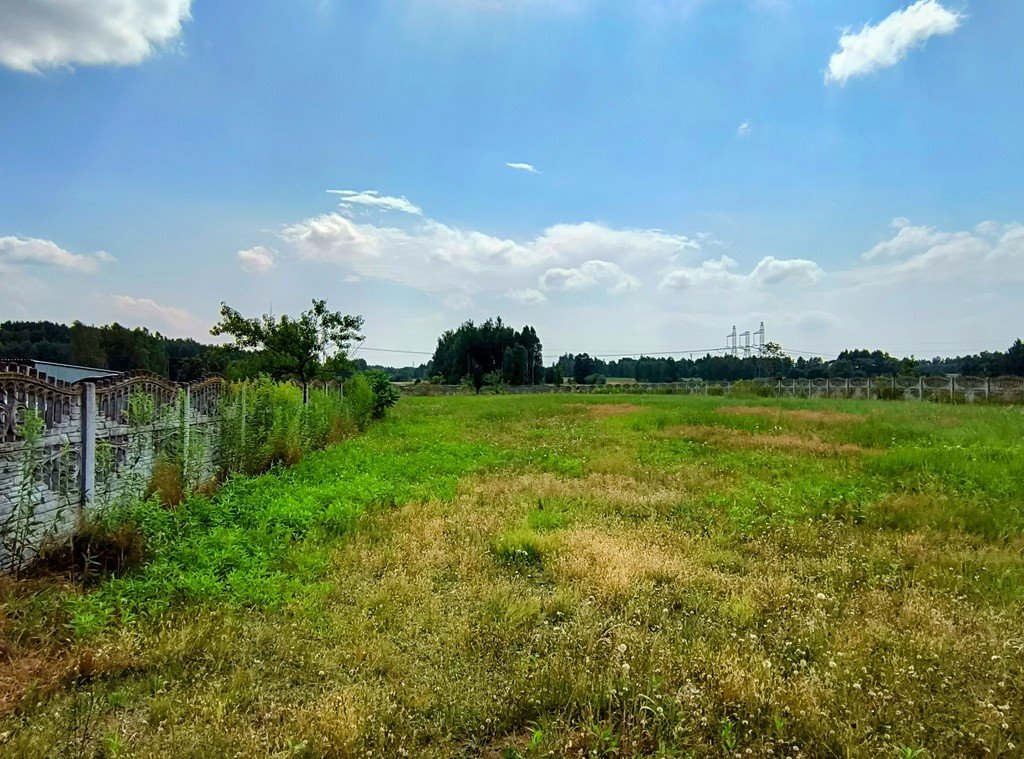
x,y
555,575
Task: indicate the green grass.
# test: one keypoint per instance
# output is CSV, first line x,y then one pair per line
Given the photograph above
x,y
576,576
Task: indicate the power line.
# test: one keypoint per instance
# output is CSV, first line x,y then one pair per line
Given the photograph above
x,y
395,350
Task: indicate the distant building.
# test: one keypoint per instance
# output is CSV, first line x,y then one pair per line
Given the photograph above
x,y
64,372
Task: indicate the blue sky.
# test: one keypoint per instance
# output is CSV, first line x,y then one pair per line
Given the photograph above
x,y
848,172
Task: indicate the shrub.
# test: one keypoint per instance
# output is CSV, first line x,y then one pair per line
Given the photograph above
x,y
385,394
360,398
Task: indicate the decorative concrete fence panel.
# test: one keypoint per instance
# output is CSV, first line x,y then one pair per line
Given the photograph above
x,y
66,449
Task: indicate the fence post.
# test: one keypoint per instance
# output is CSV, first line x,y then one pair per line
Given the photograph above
x,y
869,388
828,388
988,388
88,463
951,389
920,388
186,424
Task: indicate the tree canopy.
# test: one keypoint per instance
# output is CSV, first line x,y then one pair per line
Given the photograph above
x,y
489,351
313,345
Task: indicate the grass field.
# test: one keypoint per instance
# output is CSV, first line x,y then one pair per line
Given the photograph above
x,y
554,575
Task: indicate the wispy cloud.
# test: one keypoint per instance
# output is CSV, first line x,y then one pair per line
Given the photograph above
x,y
44,34
373,199
529,168
888,42
744,129
32,250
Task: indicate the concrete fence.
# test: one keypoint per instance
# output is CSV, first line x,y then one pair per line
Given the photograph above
x,y
89,443
962,388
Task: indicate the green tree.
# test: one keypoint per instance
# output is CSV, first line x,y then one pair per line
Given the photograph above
x,y
86,349
315,344
582,367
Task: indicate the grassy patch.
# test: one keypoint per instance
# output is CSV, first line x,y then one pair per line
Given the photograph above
x,y
528,576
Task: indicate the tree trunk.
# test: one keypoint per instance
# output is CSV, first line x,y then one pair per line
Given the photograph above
x,y
305,393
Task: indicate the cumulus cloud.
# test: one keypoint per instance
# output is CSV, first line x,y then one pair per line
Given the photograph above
x,y
147,311
774,271
590,274
887,43
373,199
724,273
43,34
31,250
908,240
438,258
993,252
523,167
528,296
257,260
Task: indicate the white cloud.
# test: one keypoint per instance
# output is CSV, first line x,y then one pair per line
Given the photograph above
x,y
31,250
888,42
529,296
148,312
774,271
257,260
723,273
590,274
992,253
744,129
909,240
43,34
373,199
523,167
438,258
566,241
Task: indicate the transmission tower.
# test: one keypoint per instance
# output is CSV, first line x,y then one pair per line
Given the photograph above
x,y
746,343
730,342
759,340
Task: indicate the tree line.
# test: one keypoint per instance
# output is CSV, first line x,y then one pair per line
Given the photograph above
x,y
773,362
488,353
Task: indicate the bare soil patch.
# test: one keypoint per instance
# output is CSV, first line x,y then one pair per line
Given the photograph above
x,y
801,415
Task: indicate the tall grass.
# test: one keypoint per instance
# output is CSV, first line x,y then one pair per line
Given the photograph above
x,y
264,423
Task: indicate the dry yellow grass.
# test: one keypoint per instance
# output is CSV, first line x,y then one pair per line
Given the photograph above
x,y
797,415
779,441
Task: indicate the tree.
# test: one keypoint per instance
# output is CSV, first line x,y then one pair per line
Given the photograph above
x,y
313,345
583,367
774,356
472,351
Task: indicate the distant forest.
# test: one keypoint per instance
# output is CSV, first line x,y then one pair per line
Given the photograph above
x,y
478,354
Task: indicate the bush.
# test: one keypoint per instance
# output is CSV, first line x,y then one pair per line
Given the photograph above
x,y
264,423
385,394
